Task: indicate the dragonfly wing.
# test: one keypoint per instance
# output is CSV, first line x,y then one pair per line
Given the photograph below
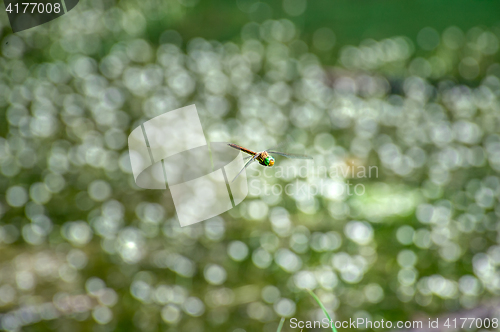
x,y
286,142
281,146
246,165
290,155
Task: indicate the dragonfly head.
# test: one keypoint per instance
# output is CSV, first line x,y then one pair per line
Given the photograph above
x,y
269,161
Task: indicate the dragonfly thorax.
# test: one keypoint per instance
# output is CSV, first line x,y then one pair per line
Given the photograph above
x,y
266,159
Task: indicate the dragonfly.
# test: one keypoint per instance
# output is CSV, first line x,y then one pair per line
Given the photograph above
x,y
264,157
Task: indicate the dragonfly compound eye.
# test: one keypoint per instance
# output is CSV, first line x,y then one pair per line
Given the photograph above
x,y
271,162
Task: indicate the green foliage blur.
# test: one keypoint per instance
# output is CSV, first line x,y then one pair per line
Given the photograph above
x,y
410,89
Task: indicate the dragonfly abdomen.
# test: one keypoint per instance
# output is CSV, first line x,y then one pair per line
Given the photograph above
x,y
250,152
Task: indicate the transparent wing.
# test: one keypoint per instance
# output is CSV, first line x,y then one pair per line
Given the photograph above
x,y
246,165
290,155
282,146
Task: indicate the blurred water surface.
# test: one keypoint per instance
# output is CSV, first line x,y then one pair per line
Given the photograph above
x,y
83,248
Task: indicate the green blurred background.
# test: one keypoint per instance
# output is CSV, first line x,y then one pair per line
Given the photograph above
x,y
410,87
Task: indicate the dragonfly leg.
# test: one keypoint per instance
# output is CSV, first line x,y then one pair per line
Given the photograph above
x,y
246,165
255,156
